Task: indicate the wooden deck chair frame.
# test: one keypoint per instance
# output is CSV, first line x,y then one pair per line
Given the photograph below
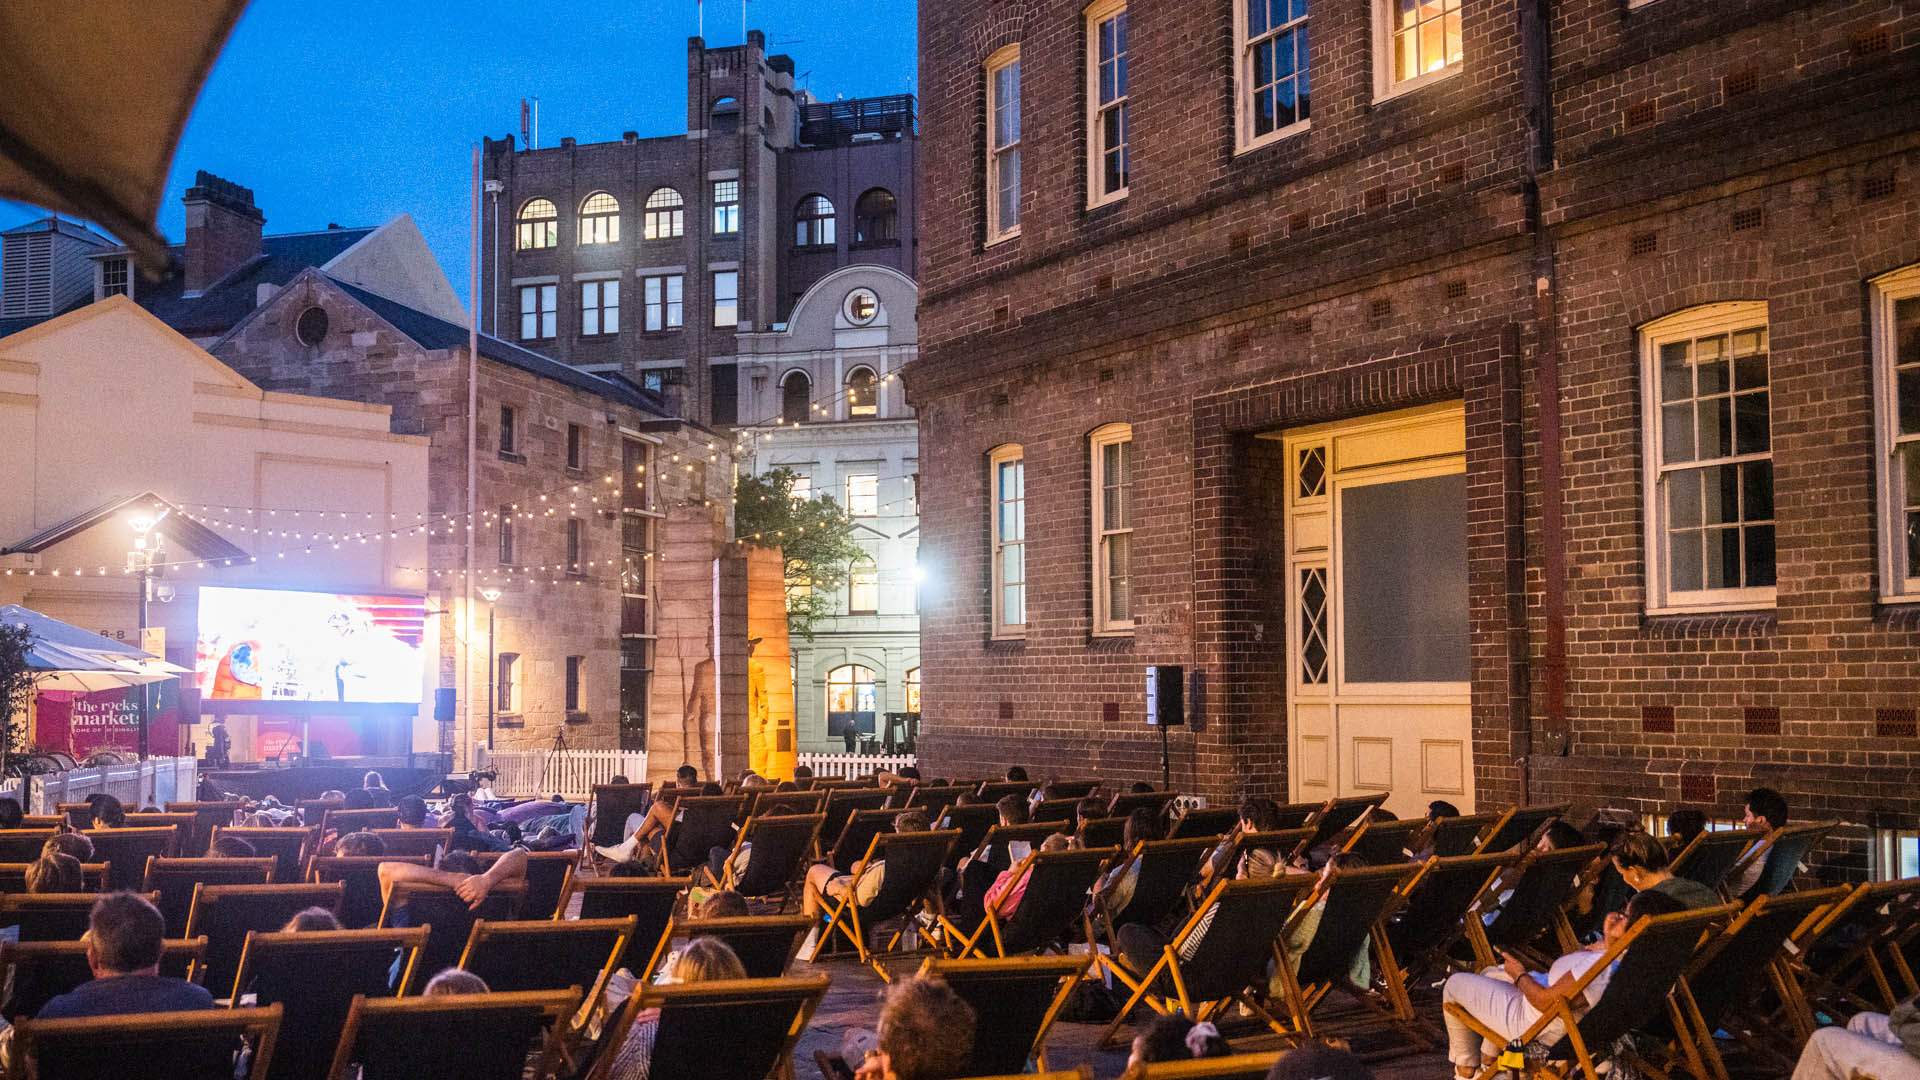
x,y
1066,970
126,871
1839,987
23,845
1101,919
1080,1072
807,992
1809,834
256,835
797,824
224,871
1581,859
486,931
562,864
1301,1000
1339,814
1233,1065
845,913
208,897
13,953
206,815
994,926
330,869
1369,837
13,906
555,1006
1507,827
1488,869
1705,849
1562,1011
428,842
1449,837
408,941
93,877
795,926
666,892
260,1027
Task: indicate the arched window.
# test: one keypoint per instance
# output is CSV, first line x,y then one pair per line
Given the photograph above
x,y
813,222
726,116
600,219
863,587
796,397
852,702
862,398
665,217
913,690
876,217
539,225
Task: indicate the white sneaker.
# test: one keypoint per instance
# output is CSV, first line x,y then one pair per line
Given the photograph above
x,y
810,948
619,853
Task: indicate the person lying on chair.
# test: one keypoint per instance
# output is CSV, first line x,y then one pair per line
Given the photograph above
x,y
1885,1046
824,883
472,887
654,823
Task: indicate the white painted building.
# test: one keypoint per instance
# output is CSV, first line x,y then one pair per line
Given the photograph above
x,y
822,396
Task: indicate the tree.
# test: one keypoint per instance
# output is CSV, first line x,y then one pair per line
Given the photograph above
x,y
815,538
16,690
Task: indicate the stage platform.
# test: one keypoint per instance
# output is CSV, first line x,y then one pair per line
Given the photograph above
x,y
404,776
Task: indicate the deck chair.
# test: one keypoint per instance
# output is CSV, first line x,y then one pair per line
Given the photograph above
x,y
1284,843
291,846
126,851
765,944
374,817
781,847
174,880
1647,962
50,916
1218,955
183,822
43,821
403,842
473,1036
1709,857
973,820
194,841
314,977
313,811
1015,1000
1340,814
1515,825
913,864
13,877
1298,814
226,914
1060,810
1167,867
447,917
1536,904
1840,964
168,1046
79,815
762,1019
842,803
649,900
1126,802
1359,902
36,972
1071,789
23,845
549,954
1231,1067
359,875
1786,849
700,824
992,791
856,836
547,875
1203,821
1437,911
1054,904
608,808
934,800
789,803
1451,836
1384,842
1102,832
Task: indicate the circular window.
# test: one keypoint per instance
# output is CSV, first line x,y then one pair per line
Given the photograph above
x,y
861,307
311,327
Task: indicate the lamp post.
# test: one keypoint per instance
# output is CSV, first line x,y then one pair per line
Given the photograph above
x,y
490,594
146,550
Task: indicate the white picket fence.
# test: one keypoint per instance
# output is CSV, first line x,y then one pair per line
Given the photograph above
x,y
155,781
568,773
855,766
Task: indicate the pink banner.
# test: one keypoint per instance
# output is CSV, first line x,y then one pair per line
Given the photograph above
x,y
107,720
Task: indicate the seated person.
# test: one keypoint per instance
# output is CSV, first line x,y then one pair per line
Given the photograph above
x,y
1330,1059
107,811
703,960
926,1032
1683,824
413,812
1115,887
11,816
978,869
470,830
78,845
360,843
1016,774
1008,891
232,847
1257,814
686,776
642,834
825,883
124,935
1642,862
1300,938
455,981
376,788
1766,811
55,872
311,920
1880,1045
1172,1037
1508,1000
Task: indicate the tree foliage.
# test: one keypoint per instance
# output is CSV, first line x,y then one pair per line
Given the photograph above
x,y
815,538
16,690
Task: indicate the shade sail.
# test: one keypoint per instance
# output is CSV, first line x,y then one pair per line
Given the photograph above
x,y
93,98
69,658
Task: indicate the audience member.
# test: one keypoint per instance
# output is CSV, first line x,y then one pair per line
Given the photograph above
x,y
376,785
360,843
1115,888
1257,814
1642,861
686,776
455,981
1559,836
703,960
107,811
1766,810
725,904
926,1032
311,920
55,872
1140,787
1172,1037
1016,774
232,847
1319,1061
640,835
413,812
459,872
1879,1045
977,871
1296,941
11,816
359,799
1007,891
1683,825
78,845
470,832
1441,808
824,882
124,935
803,772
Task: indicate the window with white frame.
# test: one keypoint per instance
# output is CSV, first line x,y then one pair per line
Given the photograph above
x,y
813,222
665,216
116,277
506,682
1003,144
863,586
1007,487
863,494
1708,452
863,399
726,298
1112,452
726,207
599,307
1273,99
539,311
663,301
1896,382
1415,43
539,225
600,219
1106,101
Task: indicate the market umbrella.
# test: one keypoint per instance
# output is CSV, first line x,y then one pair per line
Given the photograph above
x,y
69,658
93,97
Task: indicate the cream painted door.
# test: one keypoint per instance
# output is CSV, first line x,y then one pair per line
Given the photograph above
x,y
1377,593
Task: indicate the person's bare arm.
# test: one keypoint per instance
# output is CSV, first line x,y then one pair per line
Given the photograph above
x,y
510,866
1542,998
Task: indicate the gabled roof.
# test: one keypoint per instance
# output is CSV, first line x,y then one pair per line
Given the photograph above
x,y
229,299
198,538
60,225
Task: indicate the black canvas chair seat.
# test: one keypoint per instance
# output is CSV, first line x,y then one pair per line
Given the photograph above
x,y
1167,867
199,1045
1071,789
1451,836
1054,903
992,791
447,917
1358,904
126,851
1786,849
548,954
856,836
765,944
206,815
1231,1067
781,846
1213,821
1015,999
314,977
344,821
1284,843
181,822
50,916
1434,919
1382,843
1709,857
36,972
23,845
1546,883
1126,802
469,1036
174,880
226,914
1102,832
1840,964
547,875
290,846
1340,814
649,900
762,1019
359,875
1298,814
1060,810
913,861
13,877
700,824
404,842
935,800
844,802
609,808
1648,967
1516,825
974,821
788,803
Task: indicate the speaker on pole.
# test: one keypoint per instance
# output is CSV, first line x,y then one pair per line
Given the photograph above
x,y
443,704
1165,709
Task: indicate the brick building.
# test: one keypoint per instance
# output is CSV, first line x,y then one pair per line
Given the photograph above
x,y
1524,411
645,256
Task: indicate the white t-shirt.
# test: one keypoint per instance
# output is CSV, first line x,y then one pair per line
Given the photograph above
x,y
1572,966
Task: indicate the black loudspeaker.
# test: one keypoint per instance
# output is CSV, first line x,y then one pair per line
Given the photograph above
x,y
1164,705
443,705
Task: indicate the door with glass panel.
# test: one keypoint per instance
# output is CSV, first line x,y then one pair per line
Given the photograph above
x,y
1378,642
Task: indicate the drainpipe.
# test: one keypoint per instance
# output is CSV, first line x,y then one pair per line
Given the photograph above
x,y
473,441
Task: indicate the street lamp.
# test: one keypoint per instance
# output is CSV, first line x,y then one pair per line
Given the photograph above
x,y
146,551
490,594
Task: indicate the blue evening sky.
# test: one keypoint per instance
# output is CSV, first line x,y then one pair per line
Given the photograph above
x,y
353,111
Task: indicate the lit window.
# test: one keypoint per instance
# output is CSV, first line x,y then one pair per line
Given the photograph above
x,y
1271,69
1106,101
506,681
1896,854
116,278
862,393
802,487
853,701
576,678
876,218
539,311
665,215
539,225
813,222
913,690
863,587
726,298
1007,479
1896,379
600,219
796,397
726,207
863,494
664,311
1112,449
1709,459
506,535
1003,144
1415,42
599,307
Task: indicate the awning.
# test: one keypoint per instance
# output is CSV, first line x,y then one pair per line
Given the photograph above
x,y
197,538
65,657
93,98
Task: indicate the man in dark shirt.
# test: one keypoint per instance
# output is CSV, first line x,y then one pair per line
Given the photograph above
x,y
123,939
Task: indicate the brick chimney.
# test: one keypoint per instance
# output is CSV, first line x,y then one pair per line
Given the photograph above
x,y
223,229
